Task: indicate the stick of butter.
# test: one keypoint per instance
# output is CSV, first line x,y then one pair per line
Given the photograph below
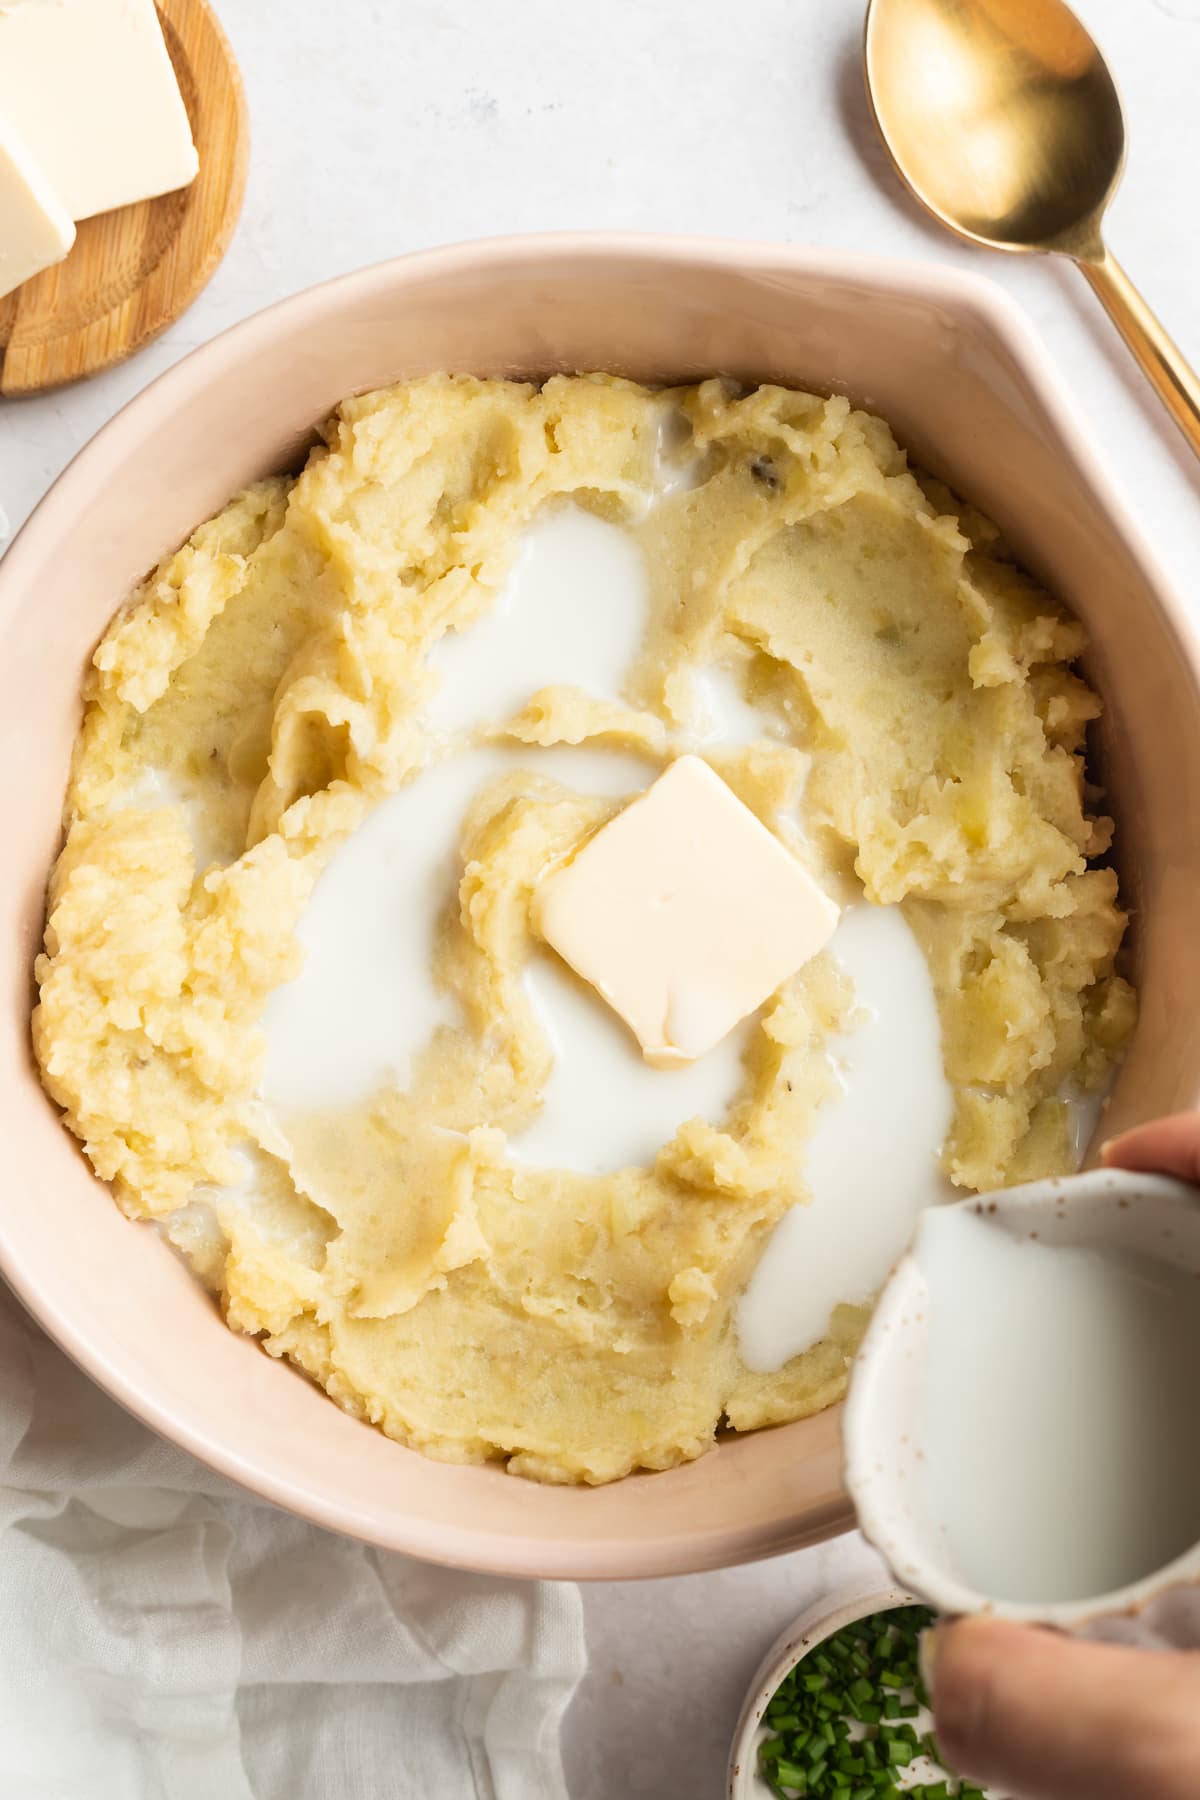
x,y
684,912
35,227
90,87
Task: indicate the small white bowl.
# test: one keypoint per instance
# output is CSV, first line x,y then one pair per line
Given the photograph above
x,y
820,1621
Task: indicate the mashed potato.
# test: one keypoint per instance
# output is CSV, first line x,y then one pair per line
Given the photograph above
x,y
265,687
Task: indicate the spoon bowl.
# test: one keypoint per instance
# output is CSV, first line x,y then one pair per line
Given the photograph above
x,y
1003,119
892,1470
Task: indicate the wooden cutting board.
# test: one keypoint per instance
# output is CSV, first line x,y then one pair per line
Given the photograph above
x,y
130,273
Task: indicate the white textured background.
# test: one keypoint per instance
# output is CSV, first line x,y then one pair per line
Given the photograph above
x,y
386,125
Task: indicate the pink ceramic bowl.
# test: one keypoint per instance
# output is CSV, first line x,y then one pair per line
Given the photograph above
x,y
953,367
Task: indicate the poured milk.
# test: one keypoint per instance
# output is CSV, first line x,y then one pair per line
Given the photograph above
x,y
155,789
872,1161
677,467
572,611
729,718
365,1001
1059,1411
604,1107
1084,1113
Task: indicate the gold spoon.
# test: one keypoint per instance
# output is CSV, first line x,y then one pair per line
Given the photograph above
x,y
1002,117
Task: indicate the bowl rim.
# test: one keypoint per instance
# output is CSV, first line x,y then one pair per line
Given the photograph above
x,y
979,294
827,1614
977,298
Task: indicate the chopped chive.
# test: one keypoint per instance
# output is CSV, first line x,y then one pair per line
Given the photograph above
x,y
790,1774
846,1720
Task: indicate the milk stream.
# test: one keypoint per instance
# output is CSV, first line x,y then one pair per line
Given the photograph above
x,y
365,1001
572,611
871,1164
604,1107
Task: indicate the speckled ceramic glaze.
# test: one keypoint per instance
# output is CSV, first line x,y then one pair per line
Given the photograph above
x,y
823,1618
955,369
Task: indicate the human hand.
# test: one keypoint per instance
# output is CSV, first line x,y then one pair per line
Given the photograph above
x,y
1047,1717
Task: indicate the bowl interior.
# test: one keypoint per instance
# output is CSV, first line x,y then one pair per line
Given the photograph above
x,y
967,392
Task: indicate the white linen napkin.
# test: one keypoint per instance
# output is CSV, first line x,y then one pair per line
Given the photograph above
x,y
165,1637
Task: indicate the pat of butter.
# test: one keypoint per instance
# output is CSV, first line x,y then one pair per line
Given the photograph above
x,y
684,912
35,228
90,87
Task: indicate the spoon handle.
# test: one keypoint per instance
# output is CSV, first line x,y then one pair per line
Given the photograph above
x,y
1160,360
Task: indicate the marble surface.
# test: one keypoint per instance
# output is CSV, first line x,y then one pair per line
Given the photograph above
x,y
381,127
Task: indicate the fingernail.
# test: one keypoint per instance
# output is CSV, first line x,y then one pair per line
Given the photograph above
x,y
927,1655
1105,1147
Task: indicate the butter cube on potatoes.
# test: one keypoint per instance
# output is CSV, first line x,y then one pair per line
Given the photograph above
x,y
684,912
90,87
36,230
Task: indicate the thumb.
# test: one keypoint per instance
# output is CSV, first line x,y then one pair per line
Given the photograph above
x,y
1167,1146
1052,1718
